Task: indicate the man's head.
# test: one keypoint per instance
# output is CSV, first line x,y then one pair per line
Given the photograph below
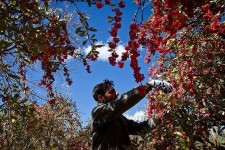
x,y
105,92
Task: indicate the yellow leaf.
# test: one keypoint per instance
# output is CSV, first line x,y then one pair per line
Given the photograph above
x,y
173,100
178,133
13,120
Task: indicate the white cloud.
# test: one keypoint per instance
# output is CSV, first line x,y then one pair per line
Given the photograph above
x,y
76,52
138,116
104,54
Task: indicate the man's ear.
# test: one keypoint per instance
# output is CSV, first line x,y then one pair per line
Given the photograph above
x,y
100,98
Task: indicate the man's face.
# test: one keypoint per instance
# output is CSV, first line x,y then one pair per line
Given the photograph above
x,y
110,94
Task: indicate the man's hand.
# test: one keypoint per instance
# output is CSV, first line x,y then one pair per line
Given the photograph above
x,y
167,87
151,82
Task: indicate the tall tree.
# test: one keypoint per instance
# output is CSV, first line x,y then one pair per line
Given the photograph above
x,y
189,38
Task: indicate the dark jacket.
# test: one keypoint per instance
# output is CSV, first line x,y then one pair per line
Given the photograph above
x,y
110,129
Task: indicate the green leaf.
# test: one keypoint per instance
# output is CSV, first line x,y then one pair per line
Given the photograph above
x,y
198,138
13,3
93,36
88,54
15,86
178,133
78,30
110,50
92,29
110,20
81,34
26,59
46,4
13,120
5,44
84,42
110,17
95,52
89,3
14,76
16,96
99,46
94,40
23,101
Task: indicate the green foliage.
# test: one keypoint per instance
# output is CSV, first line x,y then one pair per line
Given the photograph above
x,y
191,48
33,34
27,125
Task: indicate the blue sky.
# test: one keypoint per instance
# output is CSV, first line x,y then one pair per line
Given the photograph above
x,y
81,89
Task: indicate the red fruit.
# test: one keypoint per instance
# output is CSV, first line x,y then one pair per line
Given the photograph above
x,y
30,126
51,102
92,57
121,4
99,4
107,2
138,77
60,58
33,58
115,55
205,7
54,19
69,81
88,69
113,32
118,12
134,44
63,37
116,39
117,19
120,64
43,82
64,51
127,48
112,61
137,2
112,45
124,56
134,26
117,25
36,21
23,78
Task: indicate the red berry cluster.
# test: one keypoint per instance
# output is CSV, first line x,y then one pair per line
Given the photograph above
x,y
22,71
86,65
116,22
132,49
99,4
52,56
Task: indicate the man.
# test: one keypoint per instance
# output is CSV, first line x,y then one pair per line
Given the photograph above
x,y
110,129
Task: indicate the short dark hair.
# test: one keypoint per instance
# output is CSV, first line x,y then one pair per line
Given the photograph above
x,y
100,88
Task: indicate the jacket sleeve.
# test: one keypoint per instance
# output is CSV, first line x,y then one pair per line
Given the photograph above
x,y
104,113
135,128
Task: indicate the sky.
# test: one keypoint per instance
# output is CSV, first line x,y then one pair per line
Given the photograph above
x,y
83,83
